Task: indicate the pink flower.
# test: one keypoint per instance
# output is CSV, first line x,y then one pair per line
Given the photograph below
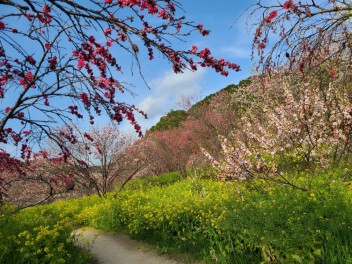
x,y
80,63
108,1
107,31
108,95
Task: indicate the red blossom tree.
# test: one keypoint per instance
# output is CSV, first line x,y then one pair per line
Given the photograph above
x,y
172,149
35,181
178,148
59,63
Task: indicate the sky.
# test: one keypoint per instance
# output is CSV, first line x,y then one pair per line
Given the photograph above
x,y
229,39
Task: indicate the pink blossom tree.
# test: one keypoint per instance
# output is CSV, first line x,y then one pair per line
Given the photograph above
x,y
300,110
293,125
101,157
294,33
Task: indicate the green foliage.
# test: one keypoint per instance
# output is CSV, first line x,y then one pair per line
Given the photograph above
x,y
182,217
155,180
173,119
291,226
216,222
238,223
233,87
41,234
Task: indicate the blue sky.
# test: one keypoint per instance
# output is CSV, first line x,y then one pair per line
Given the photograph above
x,y
228,40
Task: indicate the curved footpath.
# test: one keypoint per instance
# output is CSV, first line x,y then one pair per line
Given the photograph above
x,y
114,248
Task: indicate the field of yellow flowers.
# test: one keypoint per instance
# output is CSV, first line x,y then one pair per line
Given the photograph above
x,y
212,221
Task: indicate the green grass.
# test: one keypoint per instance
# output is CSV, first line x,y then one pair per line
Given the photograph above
x,y
39,235
211,221
147,182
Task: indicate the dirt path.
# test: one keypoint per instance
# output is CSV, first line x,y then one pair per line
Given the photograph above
x,y
113,248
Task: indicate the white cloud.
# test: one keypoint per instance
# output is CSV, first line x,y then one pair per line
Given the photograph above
x,y
166,90
153,106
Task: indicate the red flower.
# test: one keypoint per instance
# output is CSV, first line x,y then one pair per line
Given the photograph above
x,y
53,63
31,60
200,27
109,43
108,1
85,99
46,9
27,132
46,102
91,39
271,16
24,83
29,76
2,25
108,95
86,135
194,49
29,16
162,14
289,5
261,46
47,45
98,148
7,109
